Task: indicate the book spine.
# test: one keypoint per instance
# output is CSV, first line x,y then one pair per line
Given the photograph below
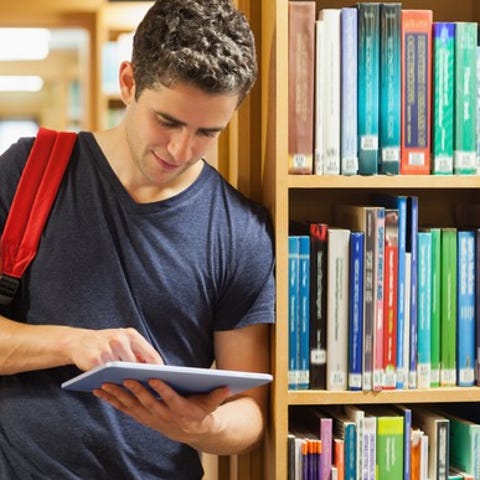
x,y
443,435
320,100
337,308
424,309
390,87
318,305
379,259
465,145
477,305
301,46
350,451
304,312
389,447
466,308
478,103
293,309
339,457
416,90
326,437
369,448
436,307
448,327
443,89
406,330
355,338
331,76
390,298
348,98
412,228
368,86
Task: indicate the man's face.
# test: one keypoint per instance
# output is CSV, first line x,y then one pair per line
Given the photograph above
x,y
170,128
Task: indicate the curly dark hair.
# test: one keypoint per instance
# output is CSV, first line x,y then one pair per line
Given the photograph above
x,y
205,43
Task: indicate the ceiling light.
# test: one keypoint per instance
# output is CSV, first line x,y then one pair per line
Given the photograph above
x,y
20,83
24,43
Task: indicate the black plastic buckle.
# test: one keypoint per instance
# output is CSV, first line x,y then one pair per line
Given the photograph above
x,y
8,288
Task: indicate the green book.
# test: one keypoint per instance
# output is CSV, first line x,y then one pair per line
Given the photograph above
x,y
389,447
448,314
465,124
436,307
443,85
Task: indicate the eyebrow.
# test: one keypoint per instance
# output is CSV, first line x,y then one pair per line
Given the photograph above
x,y
172,119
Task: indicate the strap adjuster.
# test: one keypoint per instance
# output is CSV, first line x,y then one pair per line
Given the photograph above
x,y
8,288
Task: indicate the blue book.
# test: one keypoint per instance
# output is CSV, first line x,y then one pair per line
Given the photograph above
x,y
465,308
304,312
477,305
436,306
348,98
399,202
368,86
390,88
411,247
424,311
293,310
355,328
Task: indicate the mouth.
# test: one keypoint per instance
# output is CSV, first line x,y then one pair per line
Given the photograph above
x,y
164,164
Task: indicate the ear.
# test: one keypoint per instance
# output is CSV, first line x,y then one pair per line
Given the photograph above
x,y
127,82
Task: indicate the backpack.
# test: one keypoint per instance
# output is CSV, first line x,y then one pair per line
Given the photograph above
x,y
31,204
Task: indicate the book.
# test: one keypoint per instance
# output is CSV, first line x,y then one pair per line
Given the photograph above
x,y
355,328
339,457
436,426
477,306
318,305
415,445
293,310
416,91
185,380
412,249
330,75
465,308
337,308
465,129
448,315
424,291
348,97
319,98
478,104
406,413
390,88
390,299
436,307
443,37
301,46
304,312
368,86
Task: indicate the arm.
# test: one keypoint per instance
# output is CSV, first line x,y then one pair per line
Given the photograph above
x,y
212,423
25,347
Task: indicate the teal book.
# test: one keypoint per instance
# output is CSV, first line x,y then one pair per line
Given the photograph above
x,y
443,100
368,86
293,310
390,88
436,305
424,302
304,312
466,308
478,104
448,315
465,129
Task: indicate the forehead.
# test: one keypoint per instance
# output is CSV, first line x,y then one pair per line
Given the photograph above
x,y
190,104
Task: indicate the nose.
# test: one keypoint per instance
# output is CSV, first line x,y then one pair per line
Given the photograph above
x,y
180,146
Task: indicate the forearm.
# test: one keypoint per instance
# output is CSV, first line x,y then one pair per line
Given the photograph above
x,y
235,427
31,347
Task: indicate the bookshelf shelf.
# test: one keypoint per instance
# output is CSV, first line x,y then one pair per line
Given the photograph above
x,y
440,395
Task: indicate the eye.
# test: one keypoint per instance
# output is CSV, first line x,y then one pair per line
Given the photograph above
x,y
208,133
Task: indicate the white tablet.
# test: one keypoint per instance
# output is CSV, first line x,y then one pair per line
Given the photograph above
x,y
185,380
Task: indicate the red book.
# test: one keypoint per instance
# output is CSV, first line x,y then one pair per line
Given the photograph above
x,y
416,91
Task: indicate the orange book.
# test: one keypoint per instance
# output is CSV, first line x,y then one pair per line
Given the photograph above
x,y
416,453
416,91
301,67
339,457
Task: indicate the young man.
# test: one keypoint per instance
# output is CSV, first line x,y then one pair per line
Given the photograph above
x,y
150,256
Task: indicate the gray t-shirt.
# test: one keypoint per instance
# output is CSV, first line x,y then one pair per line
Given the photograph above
x,y
176,270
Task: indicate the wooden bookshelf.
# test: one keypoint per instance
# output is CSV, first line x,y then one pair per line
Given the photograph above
x,y
305,197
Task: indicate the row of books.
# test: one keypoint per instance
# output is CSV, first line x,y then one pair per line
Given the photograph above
x,y
394,442
375,302
375,88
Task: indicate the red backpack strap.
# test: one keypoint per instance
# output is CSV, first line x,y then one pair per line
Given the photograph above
x,y
36,191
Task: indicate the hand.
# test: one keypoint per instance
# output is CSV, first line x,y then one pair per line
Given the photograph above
x,y
180,418
90,348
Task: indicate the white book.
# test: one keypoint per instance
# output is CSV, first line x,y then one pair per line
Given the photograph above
x,y
424,457
406,330
318,167
337,308
330,76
